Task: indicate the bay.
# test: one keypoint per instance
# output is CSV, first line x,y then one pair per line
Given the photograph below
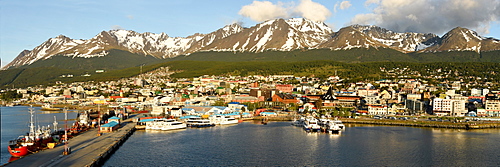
x,y
280,144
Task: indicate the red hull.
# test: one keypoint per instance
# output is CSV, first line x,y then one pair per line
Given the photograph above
x,y
18,151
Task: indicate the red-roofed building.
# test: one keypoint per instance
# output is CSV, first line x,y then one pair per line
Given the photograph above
x,y
285,88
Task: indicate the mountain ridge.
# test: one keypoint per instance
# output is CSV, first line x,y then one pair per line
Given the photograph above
x,y
278,35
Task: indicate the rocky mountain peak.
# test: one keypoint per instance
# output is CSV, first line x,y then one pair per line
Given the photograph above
x,y
463,39
278,35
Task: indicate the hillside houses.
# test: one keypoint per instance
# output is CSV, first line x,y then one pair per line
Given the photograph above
x,y
201,95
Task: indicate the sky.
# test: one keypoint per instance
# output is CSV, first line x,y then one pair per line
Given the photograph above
x,y
25,24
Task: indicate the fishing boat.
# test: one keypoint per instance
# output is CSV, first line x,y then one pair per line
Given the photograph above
x,y
198,122
35,140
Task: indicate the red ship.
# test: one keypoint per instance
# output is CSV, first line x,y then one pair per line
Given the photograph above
x,y
32,142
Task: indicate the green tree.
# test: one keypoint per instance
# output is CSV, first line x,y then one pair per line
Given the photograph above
x,y
11,96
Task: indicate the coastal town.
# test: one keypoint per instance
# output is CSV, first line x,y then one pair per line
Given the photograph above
x,y
155,101
399,95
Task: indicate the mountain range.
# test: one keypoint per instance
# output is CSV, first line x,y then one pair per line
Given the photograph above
x,y
272,35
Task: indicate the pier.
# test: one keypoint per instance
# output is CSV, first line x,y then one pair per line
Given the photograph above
x,y
87,149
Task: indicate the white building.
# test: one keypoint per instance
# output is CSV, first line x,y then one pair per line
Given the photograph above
x,y
492,108
449,107
377,110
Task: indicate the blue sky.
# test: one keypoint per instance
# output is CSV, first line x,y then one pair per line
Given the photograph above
x,y
25,24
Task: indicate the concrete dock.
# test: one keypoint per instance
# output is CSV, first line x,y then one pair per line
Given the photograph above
x,y
87,149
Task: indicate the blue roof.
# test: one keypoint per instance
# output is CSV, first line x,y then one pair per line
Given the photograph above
x,y
147,120
110,124
234,103
267,113
114,117
189,116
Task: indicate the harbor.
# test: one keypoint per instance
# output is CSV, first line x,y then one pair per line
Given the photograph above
x,y
256,136
86,149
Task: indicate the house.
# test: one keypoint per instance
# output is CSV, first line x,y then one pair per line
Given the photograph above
x,y
377,110
109,127
492,108
246,98
310,107
219,110
284,98
268,114
176,112
114,119
285,88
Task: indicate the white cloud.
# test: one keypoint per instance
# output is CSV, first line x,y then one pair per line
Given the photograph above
x,y
313,11
436,16
369,2
263,10
345,5
117,27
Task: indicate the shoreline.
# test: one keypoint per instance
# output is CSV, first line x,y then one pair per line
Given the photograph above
x,y
425,124
412,123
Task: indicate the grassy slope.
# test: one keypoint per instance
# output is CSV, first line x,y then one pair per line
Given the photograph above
x,y
356,63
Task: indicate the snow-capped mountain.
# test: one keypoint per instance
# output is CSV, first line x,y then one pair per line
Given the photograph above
x,y
348,38
279,35
406,42
462,39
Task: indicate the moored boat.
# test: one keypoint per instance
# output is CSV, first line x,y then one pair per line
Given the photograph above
x,y
311,124
164,124
32,142
198,122
223,120
48,107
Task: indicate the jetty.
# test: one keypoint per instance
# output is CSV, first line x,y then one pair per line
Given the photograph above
x,y
87,149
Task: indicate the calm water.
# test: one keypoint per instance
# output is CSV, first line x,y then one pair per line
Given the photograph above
x,y
280,144
15,122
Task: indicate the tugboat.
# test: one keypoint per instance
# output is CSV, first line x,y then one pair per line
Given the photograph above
x,y
32,142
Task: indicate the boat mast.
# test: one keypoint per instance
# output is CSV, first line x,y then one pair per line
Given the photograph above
x,y
66,148
55,123
32,125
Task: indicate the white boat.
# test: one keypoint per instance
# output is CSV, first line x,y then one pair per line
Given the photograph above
x,y
311,124
198,122
339,123
84,118
164,124
223,120
48,107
